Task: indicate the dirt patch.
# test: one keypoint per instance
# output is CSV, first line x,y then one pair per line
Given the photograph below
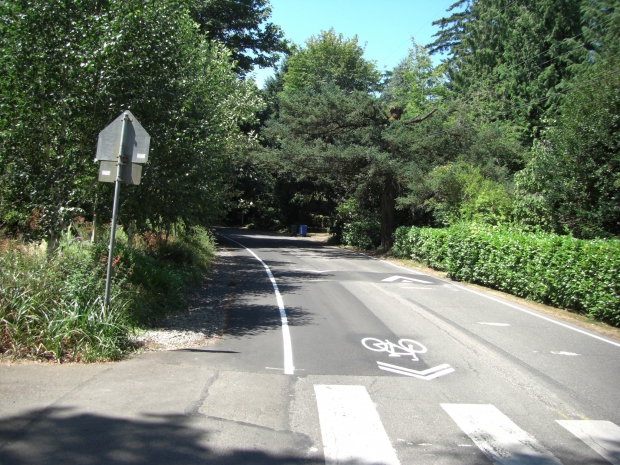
x,y
204,320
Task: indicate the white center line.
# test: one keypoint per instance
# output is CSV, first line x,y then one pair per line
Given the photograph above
x,y
351,429
497,436
289,368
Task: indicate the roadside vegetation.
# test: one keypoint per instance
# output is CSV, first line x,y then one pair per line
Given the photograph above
x,y
52,308
504,157
562,271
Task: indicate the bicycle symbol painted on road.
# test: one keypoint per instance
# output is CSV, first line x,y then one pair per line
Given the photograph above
x,y
405,347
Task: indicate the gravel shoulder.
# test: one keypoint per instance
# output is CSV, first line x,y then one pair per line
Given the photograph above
x,y
204,319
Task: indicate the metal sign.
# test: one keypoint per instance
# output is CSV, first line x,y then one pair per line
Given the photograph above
x,y
136,141
131,173
122,149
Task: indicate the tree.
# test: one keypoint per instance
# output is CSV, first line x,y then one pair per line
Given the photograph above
x,y
572,182
331,58
241,26
332,126
69,68
513,57
49,52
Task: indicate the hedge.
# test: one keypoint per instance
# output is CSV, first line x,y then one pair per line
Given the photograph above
x,y
362,234
576,274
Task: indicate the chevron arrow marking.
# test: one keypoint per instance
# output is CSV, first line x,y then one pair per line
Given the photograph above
x,y
404,280
427,375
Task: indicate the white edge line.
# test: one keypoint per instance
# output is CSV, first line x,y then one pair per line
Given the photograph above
x,y
289,368
521,309
538,315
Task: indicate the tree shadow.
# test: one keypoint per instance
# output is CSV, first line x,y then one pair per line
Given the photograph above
x,y
252,319
55,436
283,244
59,436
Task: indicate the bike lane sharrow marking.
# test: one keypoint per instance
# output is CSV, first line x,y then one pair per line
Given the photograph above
x,y
289,368
405,347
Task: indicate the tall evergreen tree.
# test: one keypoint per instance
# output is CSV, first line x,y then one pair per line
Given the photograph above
x,y
513,58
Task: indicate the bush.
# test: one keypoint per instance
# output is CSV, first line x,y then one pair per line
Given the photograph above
x,y
461,192
581,275
362,234
52,308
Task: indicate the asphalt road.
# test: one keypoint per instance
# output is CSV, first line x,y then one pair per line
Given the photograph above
x,y
311,370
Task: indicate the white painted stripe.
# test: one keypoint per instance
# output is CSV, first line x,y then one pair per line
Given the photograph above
x,y
351,428
426,375
405,279
602,436
493,324
497,436
514,306
537,315
289,368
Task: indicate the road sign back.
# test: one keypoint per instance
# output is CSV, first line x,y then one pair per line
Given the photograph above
x,y
131,173
136,140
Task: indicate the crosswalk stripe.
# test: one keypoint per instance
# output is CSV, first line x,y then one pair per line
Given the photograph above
x,y
351,429
501,440
602,436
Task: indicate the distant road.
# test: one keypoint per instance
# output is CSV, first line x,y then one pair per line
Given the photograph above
x,y
332,356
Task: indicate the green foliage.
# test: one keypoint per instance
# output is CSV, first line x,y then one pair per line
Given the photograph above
x,y
356,226
69,68
333,130
462,193
513,57
581,275
572,182
327,58
362,235
415,84
51,308
241,26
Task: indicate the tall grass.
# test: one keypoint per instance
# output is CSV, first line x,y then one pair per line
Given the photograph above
x,y
52,308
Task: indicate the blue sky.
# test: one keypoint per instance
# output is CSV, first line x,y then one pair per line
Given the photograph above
x,y
386,26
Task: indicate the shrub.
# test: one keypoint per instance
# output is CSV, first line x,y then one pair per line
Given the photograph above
x,y
362,234
52,308
581,275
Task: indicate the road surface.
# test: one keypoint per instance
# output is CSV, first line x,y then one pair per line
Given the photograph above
x,y
332,356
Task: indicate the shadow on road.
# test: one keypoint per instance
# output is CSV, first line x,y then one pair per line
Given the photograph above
x,y
56,436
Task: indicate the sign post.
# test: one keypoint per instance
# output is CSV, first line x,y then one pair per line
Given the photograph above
x,y
123,147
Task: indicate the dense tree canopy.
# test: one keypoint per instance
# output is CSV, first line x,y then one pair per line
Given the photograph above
x,y
331,58
517,125
513,56
70,68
